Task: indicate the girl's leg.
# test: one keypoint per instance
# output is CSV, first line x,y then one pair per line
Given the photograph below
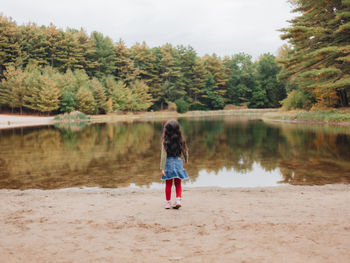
x,y
178,187
168,185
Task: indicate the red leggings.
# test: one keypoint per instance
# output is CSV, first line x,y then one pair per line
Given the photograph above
x,y
169,184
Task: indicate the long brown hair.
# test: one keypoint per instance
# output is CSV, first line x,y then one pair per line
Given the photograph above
x,y
172,139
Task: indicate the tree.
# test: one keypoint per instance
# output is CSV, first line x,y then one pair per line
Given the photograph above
x,y
103,55
9,43
144,63
13,88
141,99
198,83
268,84
86,52
85,101
320,59
34,85
34,45
48,96
99,94
211,99
125,70
170,73
241,80
68,101
121,96
216,67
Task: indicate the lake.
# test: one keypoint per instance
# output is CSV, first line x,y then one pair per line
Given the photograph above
x,y
226,151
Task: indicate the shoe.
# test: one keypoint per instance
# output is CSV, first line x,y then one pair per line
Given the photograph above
x,y
167,204
177,204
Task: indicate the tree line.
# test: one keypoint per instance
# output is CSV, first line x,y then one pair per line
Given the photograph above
x,y
50,70
316,63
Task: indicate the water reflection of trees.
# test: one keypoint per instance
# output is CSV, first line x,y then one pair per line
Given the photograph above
x,y
115,155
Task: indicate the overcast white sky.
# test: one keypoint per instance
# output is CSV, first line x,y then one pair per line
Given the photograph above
x,y
224,27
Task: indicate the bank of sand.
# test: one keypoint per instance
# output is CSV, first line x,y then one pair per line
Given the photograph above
x,y
275,224
14,121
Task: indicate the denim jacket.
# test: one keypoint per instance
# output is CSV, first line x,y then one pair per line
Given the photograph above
x,y
163,157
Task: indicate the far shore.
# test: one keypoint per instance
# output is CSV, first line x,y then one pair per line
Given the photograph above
x,y
332,117
8,121
327,116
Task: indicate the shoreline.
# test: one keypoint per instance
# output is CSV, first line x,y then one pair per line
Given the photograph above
x,y
263,224
16,121
339,117
300,121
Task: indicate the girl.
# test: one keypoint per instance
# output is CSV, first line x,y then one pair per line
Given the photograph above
x,y
173,148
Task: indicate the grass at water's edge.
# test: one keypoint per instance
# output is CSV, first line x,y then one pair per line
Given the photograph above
x,y
332,116
173,114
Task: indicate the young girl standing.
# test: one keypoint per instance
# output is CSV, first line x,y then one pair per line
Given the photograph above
x,y
173,148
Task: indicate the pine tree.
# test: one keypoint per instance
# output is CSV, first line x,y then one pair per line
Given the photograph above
x,y
144,63
49,95
67,101
241,80
103,55
85,53
121,97
319,61
85,101
34,45
215,66
198,83
9,43
125,70
171,74
67,53
34,85
54,38
99,94
13,88
211,99
271,88
141,99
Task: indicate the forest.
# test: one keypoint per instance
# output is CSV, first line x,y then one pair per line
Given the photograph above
x,y
45,69
50,70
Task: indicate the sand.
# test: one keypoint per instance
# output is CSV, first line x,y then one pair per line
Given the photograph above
x,y
14,121
273,224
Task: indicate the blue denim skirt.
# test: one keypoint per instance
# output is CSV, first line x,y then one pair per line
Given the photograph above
x,y
174,169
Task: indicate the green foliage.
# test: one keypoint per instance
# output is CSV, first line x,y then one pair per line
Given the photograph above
x,y
68,103
241,78
13,88
141,100
297,99
39,61
48,96
210,96
181,106
172,106
269,90
318,58
99,94
121,96
85,101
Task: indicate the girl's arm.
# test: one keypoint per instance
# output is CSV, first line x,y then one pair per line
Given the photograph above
x,y
163,157
186,156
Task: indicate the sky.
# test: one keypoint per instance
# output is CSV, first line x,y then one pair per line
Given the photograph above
x,y
223,27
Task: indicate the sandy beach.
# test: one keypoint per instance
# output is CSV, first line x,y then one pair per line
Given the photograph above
x,y
274,224
14,121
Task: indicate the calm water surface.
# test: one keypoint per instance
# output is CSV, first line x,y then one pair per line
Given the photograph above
x,y
224,151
